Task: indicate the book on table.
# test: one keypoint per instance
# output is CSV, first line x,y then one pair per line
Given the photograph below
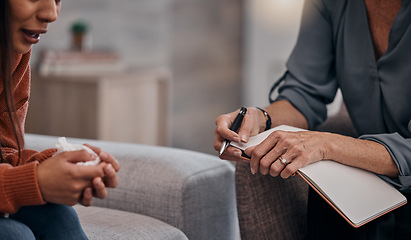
x,y
80,63
359,196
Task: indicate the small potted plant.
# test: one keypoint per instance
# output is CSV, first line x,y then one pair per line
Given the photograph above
x,y
79,31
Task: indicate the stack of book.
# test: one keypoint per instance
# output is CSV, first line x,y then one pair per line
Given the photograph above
x,y
72,63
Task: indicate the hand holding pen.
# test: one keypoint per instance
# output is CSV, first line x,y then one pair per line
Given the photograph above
x,y
234,127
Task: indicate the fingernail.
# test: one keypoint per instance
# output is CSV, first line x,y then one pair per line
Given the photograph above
x,y
110,168
236,139
88,191
237,154
253,171
100,183
244,138
103,154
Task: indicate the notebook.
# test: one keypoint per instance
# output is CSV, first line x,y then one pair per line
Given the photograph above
x,y
359,196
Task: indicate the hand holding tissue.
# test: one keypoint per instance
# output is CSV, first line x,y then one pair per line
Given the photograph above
x,y
63,146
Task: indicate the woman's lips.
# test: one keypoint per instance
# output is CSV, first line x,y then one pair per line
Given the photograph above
x,y
32,37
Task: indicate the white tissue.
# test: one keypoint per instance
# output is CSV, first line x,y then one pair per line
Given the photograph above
x,y
63,146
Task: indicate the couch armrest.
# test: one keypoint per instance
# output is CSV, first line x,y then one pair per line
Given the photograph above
x,y
192,191
271,207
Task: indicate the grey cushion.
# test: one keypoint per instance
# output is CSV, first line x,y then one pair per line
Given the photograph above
x,y
191,191
100,223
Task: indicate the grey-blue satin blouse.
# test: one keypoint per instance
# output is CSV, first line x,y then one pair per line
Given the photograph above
x,y
335,50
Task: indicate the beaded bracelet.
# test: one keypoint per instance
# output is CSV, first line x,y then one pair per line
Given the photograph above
x,y
267,117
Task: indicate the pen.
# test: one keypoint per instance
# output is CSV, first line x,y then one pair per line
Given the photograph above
x,y
234,127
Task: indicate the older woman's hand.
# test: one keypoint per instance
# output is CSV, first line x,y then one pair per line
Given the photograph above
x,y
253,122
283,153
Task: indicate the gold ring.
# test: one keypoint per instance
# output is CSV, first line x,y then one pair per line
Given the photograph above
x,y
283,160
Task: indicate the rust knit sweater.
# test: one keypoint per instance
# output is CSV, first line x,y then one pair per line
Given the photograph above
x,y
18,179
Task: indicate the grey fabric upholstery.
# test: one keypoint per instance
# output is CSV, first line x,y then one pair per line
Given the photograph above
x,y
190,191
270,208
102,223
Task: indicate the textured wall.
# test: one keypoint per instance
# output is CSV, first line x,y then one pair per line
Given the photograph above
x,y
206,60
199,41
138,29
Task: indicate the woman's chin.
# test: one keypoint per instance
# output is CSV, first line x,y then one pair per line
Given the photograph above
x,y
23,48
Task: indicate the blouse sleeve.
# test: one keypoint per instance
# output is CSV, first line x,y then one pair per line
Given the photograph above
x,y
400,151
309,83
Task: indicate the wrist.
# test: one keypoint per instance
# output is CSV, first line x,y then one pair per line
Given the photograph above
x,y
265,123
335,146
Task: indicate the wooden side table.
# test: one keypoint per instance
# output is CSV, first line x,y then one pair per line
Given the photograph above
x,y
127,107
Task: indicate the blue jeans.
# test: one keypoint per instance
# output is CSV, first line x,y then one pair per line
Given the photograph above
x,y
49,221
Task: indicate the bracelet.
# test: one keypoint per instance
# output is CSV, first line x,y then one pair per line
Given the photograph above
x,y
267,117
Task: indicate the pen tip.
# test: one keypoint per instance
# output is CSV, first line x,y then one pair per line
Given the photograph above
x,y
223,147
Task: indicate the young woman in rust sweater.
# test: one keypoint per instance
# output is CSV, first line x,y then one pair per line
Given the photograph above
x,y
38,188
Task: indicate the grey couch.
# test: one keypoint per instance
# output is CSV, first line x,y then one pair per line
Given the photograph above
x,y
163,193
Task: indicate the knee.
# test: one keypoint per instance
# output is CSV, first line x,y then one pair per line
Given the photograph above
x,y
63,215
65,222
14,230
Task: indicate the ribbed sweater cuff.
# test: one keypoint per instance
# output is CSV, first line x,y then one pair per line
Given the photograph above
x,y
21,186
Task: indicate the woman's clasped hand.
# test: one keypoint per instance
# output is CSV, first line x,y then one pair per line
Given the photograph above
x,y
62,181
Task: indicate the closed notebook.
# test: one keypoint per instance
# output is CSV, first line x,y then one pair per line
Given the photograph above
x,y
359,196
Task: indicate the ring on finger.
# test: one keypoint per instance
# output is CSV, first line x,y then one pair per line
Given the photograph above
x,y
283,160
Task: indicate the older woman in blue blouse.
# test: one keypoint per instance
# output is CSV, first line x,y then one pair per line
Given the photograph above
x,y
363,48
